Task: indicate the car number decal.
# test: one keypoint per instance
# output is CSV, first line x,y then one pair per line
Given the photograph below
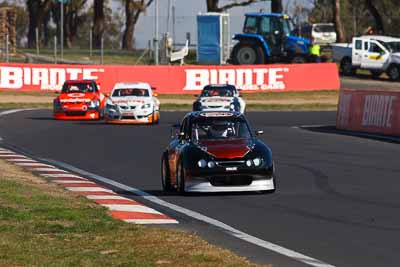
x,y
231,169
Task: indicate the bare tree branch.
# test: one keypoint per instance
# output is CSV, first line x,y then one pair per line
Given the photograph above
x,y
213,5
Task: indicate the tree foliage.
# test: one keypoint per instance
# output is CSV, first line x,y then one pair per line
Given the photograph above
x,y
216,6
133,10
357,15
22,19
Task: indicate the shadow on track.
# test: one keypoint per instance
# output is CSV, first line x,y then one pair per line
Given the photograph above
x,y
330,129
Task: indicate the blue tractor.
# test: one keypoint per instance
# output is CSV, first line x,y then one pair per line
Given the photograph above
x,y
268,38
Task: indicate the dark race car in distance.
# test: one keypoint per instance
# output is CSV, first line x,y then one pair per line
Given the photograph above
x,y
217,152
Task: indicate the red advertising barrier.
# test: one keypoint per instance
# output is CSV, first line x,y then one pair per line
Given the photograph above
x,y
369,111
174,79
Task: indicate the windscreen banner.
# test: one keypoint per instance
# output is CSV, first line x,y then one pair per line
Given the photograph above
x,y
372,111
174,79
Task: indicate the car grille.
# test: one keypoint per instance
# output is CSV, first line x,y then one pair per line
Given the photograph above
x,y
75,113
233,180
127,107
232,163
128,118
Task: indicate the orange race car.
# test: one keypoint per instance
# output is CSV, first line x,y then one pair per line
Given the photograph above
x,y
79,100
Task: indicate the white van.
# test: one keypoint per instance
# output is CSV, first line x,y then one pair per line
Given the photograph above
x,y
323,33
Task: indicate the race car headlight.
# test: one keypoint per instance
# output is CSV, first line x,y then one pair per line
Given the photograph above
x,y
257,162
110,106
148,105
249,163
202,163
232,106
211,164
94,104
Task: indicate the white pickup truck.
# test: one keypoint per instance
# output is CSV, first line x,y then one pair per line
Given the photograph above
x,y
378,54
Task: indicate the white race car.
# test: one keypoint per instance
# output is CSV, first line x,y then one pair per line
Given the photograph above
x,y
219,98
132,103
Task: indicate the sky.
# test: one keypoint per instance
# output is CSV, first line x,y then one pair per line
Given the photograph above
x,y
185,13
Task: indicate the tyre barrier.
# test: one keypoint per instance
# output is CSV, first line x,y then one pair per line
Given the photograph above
x,y
371,111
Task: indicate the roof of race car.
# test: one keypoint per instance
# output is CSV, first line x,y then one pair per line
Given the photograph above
x,y
78,81
138,85
220,86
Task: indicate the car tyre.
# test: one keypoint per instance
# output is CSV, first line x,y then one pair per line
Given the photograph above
x,y
346,67
165,175
248,54
376,74
299,60
394,73
274,182
180,180
156,117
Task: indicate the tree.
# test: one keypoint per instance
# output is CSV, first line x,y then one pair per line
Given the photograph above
x,y
214,5
133,10
276,6
98,22
38,11
376,15
22,19
338,21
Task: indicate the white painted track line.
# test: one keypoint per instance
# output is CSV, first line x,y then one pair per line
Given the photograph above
x,y
106,197
3,155
131,208
30,164
227,229
26,160
73,182
47,170
6,112
88,189
152,221
59,175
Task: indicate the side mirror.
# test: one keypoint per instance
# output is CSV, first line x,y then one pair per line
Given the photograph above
x,y
175,130
153,88
258,133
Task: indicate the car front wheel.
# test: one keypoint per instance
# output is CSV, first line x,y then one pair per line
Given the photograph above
x,y
394,73
165,175
180,179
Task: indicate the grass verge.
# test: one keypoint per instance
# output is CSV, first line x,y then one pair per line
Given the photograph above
x,y
43,225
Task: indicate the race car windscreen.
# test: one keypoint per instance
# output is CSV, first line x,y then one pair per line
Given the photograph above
x,y
131,92
219,129
78,88
218,91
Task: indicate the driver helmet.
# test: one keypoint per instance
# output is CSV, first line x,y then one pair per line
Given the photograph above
x,y
220,129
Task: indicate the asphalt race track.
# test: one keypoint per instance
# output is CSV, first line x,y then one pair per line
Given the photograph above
x,y
337,200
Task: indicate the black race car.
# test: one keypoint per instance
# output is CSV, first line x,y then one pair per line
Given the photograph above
x,y
216,152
